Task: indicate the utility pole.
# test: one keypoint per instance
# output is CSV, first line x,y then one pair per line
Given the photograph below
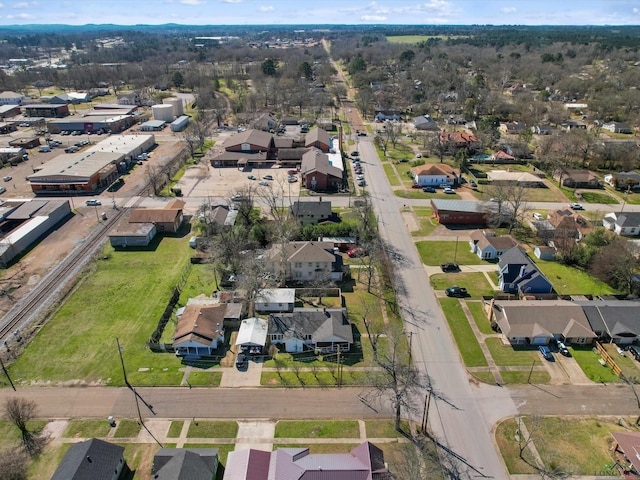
x,y
339,379
531,371
425,415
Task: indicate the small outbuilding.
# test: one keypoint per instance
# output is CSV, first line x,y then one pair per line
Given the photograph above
x,y
252,335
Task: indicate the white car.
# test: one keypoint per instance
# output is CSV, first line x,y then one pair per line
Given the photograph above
x,y
7,178
92,203
448,190
576,206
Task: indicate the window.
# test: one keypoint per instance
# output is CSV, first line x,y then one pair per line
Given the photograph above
x,y
276,337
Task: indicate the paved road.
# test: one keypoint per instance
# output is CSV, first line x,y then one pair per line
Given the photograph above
x,y
464,414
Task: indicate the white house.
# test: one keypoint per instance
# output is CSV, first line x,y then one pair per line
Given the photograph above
x,y
275,300
326,329
487,246
623,223
435,174
11,98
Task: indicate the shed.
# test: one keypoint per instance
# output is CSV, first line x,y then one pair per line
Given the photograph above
x,y
179,123
276,300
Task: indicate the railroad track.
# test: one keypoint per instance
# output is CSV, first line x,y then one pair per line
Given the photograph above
x,y
33,306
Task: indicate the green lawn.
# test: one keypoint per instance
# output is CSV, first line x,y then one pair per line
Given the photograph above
x,y
479,317
10,435
439,252
320,378
468,346
568,280
127,429
175,429
507,356
206,429
486,377
588,361
87,429
596,197
391,175
122,297
475,283
385,428
521,376
317,429
204,379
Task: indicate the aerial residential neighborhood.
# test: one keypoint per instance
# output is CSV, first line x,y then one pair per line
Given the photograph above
x,y
357,251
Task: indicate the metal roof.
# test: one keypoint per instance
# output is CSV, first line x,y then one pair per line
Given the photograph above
x,y
79,165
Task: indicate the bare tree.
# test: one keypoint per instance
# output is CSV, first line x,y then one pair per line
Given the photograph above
x,y
20,411
393,132
153,176
511,200
13,464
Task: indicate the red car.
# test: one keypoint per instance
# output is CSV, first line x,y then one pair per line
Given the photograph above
x,y
356,252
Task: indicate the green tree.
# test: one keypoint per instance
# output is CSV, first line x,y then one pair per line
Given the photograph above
x,y
306,71
269,67
357,65
407,56
177,79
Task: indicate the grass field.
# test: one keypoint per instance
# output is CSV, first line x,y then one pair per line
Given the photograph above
x,y
123,296
465,338
475,283
577,446
569,280
596,197
206,429
87,429
439,252
317,429
479,317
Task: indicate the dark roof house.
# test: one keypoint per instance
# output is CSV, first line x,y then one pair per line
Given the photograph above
x,y
613,320
311,212
518,274
185,464
91,460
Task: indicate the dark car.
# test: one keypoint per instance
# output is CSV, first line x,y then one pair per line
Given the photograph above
x,y
241,361
428,189
450,267
546,352
416,185
355,154
456,292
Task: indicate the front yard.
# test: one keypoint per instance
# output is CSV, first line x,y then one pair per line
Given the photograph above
x,y
439,252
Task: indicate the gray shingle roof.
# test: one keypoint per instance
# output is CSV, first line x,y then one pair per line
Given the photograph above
x,y
311,208
321,324
185,464
89,460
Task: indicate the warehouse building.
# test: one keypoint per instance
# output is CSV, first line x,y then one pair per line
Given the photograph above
x,y
46,110
23,222
92,123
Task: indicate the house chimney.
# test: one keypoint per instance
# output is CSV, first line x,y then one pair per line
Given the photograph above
x,y
522,270
89,459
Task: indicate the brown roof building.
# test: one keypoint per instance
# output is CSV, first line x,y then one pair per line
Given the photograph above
x,y
318,174
318,138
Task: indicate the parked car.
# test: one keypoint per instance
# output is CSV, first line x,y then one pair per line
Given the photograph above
x,y
292,179
562,348
404,160
263,183
456,291
292,172
448,190
8,178
546,352
241,361
92,203
576,206
450,267
2,189
267,177
418,155
357,252
634,351
473,184
361,183
362,134
251,177
416,185
428,189
538,216
355,154
71,149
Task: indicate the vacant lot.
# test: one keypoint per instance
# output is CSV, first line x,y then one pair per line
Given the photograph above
x,y
439,252
122,296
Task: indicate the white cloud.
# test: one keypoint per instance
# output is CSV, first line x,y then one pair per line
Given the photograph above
x,y
266,8
21,16
377,9
635,10
22,5
230,1
192,2
508,10
373,18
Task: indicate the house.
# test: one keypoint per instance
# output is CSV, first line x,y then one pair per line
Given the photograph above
x,y
248,148
622,223
573,125
92,459
543,129
617,127
627,444
388,116
568,224
252,334
318,138
265,121
536,322
459,140
319,174
578,178
518,274
459,212
435,174
502,157
523,179
306,261
512,128
11,98
70,97
166,219
344,244
487,246
614,321
323,329
623,180
308,213
200,328
364,462
185,463
425,123
275,300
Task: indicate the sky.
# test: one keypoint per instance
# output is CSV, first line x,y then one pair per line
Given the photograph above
x,y
260,12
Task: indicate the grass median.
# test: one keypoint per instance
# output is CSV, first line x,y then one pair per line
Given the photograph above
x,y
466,340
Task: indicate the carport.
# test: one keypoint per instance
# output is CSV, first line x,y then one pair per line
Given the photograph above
x,y
252,335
